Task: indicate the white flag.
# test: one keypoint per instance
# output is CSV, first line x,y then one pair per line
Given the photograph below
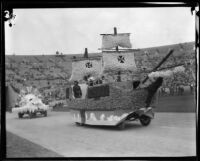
x,y
85,67
117,61
111,41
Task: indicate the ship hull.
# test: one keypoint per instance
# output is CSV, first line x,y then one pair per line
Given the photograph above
x,y
123,104
109,118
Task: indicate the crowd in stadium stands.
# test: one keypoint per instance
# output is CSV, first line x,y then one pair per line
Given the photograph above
x,y
51,77
39,75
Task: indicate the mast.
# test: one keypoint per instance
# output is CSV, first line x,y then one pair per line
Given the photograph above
x,y
113,41
112,59
86,53
115,33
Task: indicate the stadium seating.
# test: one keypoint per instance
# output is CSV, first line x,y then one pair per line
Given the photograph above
x,y
48,71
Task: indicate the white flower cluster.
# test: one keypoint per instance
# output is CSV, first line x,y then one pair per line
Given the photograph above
x,y
30,103
166,73
29,90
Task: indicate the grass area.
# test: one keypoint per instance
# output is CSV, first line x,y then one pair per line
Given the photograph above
x,y
18,147
185,103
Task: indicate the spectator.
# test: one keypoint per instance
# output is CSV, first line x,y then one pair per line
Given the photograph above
x,y
180,90
103,79
191,88
77,90
171,91
85,78
91,81
99,81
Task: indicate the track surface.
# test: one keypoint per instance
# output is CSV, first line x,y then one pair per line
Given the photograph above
x,y
169,134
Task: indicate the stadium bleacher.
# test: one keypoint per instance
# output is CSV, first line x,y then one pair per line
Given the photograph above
x,y
43,71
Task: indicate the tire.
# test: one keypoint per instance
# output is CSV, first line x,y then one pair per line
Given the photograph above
x,y
20,115
45,113
32,115
79,124
145,120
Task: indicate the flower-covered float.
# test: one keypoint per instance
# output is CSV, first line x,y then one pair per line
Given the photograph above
x,y
30,103
125,92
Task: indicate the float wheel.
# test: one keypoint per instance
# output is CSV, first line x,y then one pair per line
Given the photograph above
x,y
79,124
145,120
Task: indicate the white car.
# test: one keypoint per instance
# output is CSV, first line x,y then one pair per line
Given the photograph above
x,y
31,105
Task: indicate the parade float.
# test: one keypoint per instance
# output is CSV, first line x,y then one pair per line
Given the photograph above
x,y
126,92
30,103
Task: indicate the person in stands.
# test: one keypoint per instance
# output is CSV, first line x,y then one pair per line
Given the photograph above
x,y
77,90
191,88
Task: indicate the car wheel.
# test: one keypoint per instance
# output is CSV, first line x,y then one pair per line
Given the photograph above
x,y
45,113
32,114
20,115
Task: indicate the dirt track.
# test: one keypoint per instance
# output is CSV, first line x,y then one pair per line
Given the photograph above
x,y
169,134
